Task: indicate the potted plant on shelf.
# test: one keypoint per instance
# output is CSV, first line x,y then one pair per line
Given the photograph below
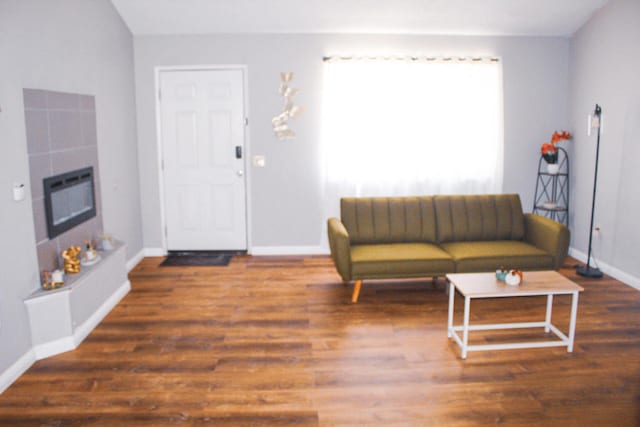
x,y
549,150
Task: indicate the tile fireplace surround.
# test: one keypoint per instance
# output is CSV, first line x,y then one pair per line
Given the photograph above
x,y
61,137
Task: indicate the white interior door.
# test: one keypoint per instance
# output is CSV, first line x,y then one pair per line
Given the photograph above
x,y
203,125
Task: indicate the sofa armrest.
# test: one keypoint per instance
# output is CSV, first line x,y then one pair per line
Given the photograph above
x,y
548,235
340,247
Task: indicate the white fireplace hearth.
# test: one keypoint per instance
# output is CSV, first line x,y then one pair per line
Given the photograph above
x,y
62,318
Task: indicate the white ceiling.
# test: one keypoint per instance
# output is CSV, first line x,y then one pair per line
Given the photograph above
x,y
461,17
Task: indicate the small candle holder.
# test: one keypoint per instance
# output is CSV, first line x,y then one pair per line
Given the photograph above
x,y
52,280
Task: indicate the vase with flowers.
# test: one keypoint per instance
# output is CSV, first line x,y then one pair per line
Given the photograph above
x,y
549,150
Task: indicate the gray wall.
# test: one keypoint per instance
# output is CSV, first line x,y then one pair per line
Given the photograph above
x,y
287,202
605,69
71,46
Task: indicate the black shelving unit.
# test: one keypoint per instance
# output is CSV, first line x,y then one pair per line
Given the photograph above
x,y
552,190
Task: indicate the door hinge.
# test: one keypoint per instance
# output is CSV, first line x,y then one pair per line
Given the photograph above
x,y
166,233
246,121
159,94
162,164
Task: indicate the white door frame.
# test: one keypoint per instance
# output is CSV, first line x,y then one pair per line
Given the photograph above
x,y
159,147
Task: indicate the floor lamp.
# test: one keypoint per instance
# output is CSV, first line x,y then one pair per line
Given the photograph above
x,y
587,270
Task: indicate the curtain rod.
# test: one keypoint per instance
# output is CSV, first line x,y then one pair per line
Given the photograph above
x,y
411,58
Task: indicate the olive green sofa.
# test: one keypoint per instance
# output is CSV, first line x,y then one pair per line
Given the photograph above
x,y
404,237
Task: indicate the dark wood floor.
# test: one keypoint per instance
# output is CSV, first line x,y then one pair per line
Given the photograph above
x,y
276,341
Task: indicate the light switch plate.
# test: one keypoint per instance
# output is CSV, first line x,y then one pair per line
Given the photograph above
x,y
259,161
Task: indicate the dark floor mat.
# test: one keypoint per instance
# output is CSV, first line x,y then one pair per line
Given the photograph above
x,y
196,260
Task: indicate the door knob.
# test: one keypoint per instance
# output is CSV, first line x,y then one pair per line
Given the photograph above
x,y
240,173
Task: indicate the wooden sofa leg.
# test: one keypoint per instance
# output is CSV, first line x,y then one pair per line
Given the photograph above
x,y
356,291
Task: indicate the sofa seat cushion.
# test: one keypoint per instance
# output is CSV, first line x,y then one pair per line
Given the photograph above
x,y
396,260
489,256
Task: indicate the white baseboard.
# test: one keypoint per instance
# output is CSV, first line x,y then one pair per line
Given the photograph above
x,y
135,260
288,250
18,368
154,252
624,277
52,348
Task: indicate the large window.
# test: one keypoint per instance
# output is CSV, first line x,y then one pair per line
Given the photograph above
x,y
412,126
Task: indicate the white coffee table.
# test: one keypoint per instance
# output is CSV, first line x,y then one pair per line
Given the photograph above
x,y
535,283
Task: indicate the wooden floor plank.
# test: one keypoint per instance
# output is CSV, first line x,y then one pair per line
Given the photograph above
x,y
276,341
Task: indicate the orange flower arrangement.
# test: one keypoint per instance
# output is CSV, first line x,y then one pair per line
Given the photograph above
x,y
549,150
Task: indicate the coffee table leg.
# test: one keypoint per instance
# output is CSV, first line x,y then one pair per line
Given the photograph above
x,y
572,325
451,299
547,319
465,327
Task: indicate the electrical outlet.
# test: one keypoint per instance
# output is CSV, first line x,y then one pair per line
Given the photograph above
x,y
259,161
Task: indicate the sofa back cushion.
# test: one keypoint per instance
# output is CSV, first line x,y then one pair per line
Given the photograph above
x,y
389,219
479,218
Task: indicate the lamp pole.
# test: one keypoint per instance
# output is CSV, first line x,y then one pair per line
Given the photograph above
x,y
587,270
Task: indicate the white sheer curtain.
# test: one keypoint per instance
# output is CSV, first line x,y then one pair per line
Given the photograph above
x,y
411,127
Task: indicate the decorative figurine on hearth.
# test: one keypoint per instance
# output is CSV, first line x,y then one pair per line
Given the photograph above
x,y
71,261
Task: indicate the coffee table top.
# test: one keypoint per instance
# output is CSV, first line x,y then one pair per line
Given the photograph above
x,y
485,285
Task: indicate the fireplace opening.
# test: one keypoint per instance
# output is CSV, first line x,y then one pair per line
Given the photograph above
x,y
69,200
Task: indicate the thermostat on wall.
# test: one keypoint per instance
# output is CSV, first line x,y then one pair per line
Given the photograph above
x,y
18,192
